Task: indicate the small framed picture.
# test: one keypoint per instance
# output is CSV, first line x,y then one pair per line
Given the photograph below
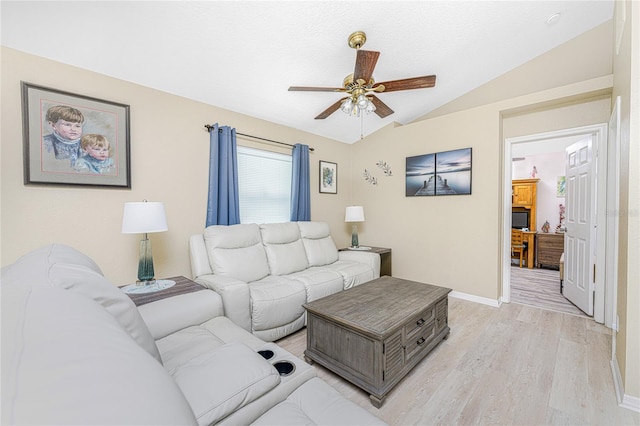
x,y
328,177
561,186
71,139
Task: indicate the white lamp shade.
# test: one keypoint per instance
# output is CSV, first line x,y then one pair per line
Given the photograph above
x,y
144,217
354,214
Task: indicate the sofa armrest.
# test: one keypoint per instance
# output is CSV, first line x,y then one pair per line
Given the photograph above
x,y
199,258
166,316
368,258
235,297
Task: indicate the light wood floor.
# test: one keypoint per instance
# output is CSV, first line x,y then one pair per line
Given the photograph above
x,y
513,365
540,288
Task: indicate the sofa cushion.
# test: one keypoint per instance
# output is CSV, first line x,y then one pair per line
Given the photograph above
x,y
353,273
181,347
276,301
317,403
284,248
236,251
66,360
319,282
318,244
64,267
223,380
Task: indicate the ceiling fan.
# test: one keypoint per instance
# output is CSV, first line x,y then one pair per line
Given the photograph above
x,y
360,84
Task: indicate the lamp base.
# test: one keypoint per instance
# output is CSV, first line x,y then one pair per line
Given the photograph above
x,y
362,248
141,287
354,236
145,262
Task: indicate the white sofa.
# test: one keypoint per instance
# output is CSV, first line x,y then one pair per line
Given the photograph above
x,y
265,273
75,350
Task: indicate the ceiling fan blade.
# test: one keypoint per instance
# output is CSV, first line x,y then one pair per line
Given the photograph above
x,y
315,89
381,108
409,83
327,112
365,63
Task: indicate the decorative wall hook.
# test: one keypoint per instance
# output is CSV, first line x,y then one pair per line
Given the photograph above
x,y
385,168
369,178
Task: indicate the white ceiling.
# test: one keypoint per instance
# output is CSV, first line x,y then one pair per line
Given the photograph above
x,y
243,55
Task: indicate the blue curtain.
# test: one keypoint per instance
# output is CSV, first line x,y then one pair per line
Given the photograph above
x,y
300,192
223,204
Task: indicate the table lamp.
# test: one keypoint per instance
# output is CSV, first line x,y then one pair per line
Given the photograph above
x,y
355,214
144,218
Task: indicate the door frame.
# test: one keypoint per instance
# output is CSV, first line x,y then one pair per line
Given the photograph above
x,y
613,219
599,137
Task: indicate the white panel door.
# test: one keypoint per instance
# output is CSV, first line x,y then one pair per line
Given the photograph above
x,y
580,223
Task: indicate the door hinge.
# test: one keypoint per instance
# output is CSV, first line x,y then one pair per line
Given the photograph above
x,y
594,273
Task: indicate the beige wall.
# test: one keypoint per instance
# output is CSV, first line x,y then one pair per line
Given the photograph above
x,y
169,156
454,241
626,65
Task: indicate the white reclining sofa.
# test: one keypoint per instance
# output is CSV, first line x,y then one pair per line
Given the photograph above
x,y
265,273
76,350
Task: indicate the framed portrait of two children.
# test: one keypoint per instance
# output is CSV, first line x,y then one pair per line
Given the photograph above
x,y
71,139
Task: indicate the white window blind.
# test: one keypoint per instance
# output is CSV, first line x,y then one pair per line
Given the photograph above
x,y
264,182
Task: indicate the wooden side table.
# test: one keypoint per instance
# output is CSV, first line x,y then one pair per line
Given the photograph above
x,y
385,258
183,285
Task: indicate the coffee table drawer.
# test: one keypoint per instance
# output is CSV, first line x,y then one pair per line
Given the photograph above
x,y
414,344
416,325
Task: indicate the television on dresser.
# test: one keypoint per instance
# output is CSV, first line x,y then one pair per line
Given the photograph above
x,y
519,219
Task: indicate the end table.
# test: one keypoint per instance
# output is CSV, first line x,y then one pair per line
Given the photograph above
x,y
183,285
385,258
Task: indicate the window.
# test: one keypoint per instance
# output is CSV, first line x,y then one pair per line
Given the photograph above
x,y
264,182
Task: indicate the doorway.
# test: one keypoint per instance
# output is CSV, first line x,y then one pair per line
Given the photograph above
x,y
540,287
598,134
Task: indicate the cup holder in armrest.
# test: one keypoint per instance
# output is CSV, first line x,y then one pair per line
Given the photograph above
x,y
284,368
266,354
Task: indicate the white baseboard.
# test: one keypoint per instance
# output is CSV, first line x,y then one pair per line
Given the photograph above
x,y
625,401
631,403
617,380
477,299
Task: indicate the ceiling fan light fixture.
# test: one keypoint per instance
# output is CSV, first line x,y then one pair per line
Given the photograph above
x,y
347,106
370,107
363,102
355,105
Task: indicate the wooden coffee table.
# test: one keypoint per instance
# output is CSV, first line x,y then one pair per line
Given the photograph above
x,y
374,334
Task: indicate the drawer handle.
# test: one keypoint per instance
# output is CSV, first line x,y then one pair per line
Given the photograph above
x,y
421,341
420,322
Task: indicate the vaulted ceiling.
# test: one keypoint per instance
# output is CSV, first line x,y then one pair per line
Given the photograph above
x,y
244,55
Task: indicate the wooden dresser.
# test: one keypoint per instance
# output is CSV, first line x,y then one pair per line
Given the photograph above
x,y
549,248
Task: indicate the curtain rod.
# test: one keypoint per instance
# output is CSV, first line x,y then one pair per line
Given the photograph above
x,y
209,127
